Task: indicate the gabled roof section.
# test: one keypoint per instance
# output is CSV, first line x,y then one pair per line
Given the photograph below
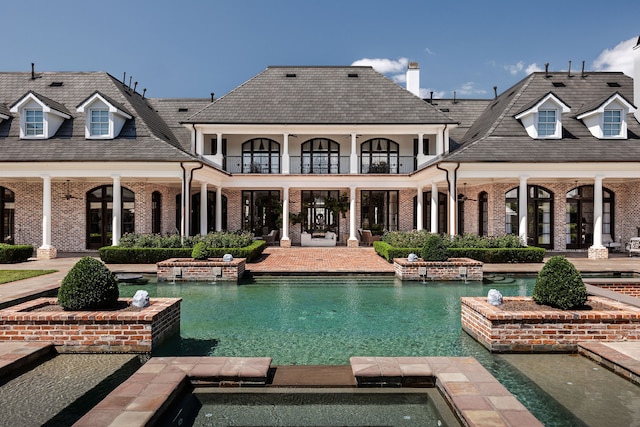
x,y
115,107
599,105
48,104
534,105
497,136
4,112
319,95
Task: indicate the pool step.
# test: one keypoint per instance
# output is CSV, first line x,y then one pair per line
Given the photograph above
x,y
313,376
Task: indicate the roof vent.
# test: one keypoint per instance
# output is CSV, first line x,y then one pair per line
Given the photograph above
x,y
182,110
292,75
56,84
444,110
613,84
558,84
352,75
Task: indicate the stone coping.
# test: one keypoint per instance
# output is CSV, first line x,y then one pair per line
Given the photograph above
x,y
477,398
210,262
620,311
461,262
612,356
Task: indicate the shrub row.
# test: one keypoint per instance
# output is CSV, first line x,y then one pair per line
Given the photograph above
x,y
10,254
218,239
120,255
486,255
418,239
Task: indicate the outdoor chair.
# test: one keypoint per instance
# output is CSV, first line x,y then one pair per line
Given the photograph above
x,y
366,238
633,247
609,243
271,238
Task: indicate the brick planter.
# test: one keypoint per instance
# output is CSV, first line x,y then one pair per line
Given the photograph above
x,y
547,331
211,270
453,269
115,331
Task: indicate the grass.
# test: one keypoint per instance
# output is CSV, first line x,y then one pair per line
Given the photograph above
x,y
7,276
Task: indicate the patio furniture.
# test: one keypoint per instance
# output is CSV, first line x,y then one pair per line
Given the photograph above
x,y
271,238
609,243
327,239
366,238
633,246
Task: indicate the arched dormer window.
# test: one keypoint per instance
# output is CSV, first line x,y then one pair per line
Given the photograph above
x,y
40,117
104,117
379,155
542,119
320,156
261,155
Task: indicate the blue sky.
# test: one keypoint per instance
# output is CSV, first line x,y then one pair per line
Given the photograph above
x,y
192,48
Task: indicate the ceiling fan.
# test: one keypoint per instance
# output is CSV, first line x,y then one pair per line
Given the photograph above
x,y
68,195
463,197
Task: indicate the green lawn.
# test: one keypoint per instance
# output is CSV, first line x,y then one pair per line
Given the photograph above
x,y
7,276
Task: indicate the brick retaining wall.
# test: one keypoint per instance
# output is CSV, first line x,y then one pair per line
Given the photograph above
x,y
546,331
114,331
188,269
445,270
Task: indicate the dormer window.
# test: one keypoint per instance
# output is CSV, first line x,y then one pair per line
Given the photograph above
x,y
607,117
40,117
542,118
104,117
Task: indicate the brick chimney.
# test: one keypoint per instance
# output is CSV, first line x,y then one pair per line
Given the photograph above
x,y
413,78
636,79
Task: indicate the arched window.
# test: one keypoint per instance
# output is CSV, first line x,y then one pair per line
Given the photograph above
x,y
7,216
156,212
100,215
379,155
579,222
320,156
483,214
261,155
539,215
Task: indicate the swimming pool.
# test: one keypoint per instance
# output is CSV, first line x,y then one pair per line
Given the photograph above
x,y
325,320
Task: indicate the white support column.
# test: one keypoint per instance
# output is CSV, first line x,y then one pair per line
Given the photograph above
x,y
199,142
353,163
218,208
597,212
522,210
285,241
203,209
453,208
439,144
420,154
434,208
285,154
353,240
419,209
116,225
46,251
218,157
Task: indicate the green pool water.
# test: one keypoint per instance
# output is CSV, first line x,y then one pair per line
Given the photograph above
x,y
325,320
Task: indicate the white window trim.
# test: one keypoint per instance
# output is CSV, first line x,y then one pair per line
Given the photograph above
x,y
117,117
52,119
622,124
529,118
594,119
90,123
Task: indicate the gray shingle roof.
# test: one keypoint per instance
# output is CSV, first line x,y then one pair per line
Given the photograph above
x,y
320,95
498,137
145,137
176,110
464,111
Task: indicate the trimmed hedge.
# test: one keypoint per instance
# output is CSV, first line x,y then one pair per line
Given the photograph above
x,y
118,255
89,285
560,285
486,255
10,254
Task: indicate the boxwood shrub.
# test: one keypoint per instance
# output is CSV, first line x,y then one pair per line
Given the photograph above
x,y
89,285
560,285
10,254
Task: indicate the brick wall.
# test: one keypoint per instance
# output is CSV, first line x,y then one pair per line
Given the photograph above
x,y
448,270
92,331
201,271
547,331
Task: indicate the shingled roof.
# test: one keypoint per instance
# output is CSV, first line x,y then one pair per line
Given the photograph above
x,y
320,95
145,137
496,136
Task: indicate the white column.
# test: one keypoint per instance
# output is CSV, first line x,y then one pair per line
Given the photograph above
x,y
353,164
439,144
218,208
352,213
116,225
186,207
453,208
285,154
199,142
434,208
285,213
420,155
522,210
597,212
46,212
419,209
203,209
218,157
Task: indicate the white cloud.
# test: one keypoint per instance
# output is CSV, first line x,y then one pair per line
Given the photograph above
x,y
514,69
532,68
469,88
384,65
426,93
429,51
619,58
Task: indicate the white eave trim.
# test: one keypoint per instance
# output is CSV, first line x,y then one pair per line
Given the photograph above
x,y
45,108
112,108
600,110
563,107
